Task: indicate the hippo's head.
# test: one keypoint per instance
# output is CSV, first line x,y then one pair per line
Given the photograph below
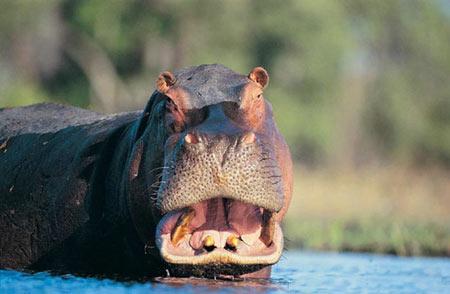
x,y
219,173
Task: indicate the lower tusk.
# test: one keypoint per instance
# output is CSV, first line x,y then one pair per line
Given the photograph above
x,y
182,227
268,228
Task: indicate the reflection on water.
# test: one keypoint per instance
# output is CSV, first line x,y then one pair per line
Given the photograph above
x,y
221,285
304,272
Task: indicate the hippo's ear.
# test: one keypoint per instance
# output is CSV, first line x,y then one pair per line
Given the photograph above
x,y
260,76
165,81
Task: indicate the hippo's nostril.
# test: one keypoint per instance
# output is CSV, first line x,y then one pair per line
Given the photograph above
x,y
248,138
191,138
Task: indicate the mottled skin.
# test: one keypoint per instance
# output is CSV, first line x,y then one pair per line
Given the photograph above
x,y
85,193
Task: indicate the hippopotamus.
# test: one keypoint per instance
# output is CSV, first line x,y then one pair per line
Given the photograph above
x,y
196,184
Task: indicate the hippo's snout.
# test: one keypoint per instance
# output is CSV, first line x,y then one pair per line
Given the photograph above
x,y
236,167
219,193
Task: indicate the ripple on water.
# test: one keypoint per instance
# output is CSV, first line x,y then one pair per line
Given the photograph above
x,y
304,272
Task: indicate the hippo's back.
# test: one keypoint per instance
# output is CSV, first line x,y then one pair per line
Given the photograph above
x,y
48,155
44,118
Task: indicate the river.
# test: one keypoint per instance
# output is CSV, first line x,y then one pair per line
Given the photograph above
x,y
297,272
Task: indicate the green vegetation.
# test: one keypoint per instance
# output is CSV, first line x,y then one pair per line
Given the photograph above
x,y
356,85
374,235
384,210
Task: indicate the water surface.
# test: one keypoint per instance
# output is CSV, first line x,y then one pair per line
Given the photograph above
x,y
302,272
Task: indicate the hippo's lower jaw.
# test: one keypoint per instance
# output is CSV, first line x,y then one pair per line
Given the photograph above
x,y
219,237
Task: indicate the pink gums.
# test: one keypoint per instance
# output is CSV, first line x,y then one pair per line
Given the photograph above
x,y
219,219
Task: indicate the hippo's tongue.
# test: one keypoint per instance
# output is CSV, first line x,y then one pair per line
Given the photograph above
x,y
213,223
217,221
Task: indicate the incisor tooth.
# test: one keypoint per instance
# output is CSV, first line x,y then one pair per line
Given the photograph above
x,y
232,241
208,241
182,227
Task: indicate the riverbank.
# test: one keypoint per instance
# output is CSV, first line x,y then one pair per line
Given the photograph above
x,y
384,210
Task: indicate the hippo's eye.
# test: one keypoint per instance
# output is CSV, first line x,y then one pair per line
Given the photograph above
x,y
176,128
196,116
171,106
174,117
231,109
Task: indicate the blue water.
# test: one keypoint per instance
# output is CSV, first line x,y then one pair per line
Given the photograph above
x,y
301,272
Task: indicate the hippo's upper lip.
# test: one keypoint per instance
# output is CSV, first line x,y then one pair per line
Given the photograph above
x,y
228,168
170,197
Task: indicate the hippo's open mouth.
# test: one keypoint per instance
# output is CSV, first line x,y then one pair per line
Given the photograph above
x,y
220,232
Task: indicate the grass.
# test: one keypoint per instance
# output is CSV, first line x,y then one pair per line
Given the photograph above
x,y
385,210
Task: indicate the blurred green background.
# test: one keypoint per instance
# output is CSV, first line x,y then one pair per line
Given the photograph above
x,y
360,89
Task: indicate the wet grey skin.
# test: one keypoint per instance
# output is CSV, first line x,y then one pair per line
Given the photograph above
x,y
82,192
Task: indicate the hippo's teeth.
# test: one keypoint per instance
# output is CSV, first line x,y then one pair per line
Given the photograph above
x,y
251,238
208,241
268,228
232,241
182,227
